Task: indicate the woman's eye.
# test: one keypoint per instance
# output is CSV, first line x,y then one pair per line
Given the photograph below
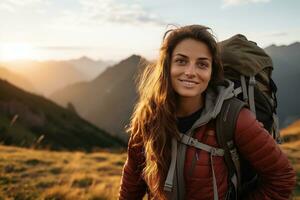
x,y
180,61
203,65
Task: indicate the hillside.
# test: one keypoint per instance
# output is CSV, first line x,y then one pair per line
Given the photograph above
x,y
291,145
291,133
31,120
286,74
35,174
108,100
47,175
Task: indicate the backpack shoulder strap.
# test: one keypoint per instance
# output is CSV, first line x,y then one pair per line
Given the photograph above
x,y
225,128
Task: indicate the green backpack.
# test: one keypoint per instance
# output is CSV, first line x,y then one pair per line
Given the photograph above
x,y
250,68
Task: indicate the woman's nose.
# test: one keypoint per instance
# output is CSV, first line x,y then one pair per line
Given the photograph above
x,y
190,70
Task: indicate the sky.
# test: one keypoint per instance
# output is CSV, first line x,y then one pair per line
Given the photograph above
x,y
116,29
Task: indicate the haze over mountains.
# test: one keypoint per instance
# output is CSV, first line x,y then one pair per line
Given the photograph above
x,y
90,68
286,60
49,76
16,79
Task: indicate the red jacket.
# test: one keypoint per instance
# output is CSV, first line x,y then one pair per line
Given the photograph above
x,y
254,144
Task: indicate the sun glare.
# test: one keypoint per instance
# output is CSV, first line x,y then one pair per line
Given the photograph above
x,y
16,51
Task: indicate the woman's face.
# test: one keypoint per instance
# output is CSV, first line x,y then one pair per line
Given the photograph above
x,y
191,68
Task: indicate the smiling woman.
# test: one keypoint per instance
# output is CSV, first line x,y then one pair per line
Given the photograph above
x,y
175,151
17,51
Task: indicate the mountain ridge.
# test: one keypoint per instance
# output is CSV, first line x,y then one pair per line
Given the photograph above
x,y
285,74
107,100
26,117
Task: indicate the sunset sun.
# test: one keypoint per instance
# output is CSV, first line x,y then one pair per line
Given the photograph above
x,y
17,51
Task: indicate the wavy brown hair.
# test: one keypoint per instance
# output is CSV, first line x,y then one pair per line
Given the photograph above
x,y
153,120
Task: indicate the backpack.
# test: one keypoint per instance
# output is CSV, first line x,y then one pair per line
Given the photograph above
x,y
250,68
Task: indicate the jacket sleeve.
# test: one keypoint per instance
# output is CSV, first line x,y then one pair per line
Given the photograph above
x,y
257,146
132,185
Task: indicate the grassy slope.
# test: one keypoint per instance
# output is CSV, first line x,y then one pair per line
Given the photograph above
x,y
291,135
62,129
39,174
293,151
35,174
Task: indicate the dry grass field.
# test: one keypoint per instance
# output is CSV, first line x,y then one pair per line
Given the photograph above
x,y
292,149
28,174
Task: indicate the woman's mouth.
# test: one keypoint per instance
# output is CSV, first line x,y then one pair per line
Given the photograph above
x,y
188,83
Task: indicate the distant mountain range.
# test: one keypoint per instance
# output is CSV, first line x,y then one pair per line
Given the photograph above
x,y
30,120
50,76
286,60
89,67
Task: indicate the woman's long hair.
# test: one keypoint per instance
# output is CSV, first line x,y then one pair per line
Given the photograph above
x,y
153,120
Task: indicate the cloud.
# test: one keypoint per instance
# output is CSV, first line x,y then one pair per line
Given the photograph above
x,y
12,5
227,3
275,34
111,11
102,15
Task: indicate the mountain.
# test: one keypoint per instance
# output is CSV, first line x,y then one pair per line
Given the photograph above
x,y
47,76
286,60
107,101
89,67
16,79
31,120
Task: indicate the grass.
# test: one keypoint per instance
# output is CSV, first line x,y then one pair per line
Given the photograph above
x,y
292,149
27,174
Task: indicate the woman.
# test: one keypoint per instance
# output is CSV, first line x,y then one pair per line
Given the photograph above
x,y
179,95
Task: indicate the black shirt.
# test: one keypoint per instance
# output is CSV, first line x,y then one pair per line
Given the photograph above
x,y
185,123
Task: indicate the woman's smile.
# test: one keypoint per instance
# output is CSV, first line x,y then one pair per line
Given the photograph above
x,y
188,83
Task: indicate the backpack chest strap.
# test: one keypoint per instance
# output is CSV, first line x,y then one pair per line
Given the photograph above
x,y
190,141
187,140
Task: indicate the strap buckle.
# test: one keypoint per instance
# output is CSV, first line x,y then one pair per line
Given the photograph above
x,y
213,151
192,142
252,80
168,187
